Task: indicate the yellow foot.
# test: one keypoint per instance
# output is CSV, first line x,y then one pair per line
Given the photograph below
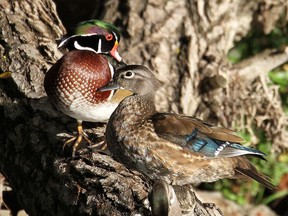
x,y
77,139
101,147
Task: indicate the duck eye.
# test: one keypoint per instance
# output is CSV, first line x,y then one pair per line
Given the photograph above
x,y
129,74
109,37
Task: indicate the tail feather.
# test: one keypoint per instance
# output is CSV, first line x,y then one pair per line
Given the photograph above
x,y
254,174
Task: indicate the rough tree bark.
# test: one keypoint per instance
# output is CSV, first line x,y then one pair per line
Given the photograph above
x,y
184,42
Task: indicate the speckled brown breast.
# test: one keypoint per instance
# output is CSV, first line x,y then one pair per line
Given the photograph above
x,y
71,83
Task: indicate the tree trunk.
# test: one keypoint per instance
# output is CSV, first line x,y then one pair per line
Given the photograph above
x,y
184,42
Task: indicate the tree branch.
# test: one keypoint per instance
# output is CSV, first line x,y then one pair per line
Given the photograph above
x,y
248,69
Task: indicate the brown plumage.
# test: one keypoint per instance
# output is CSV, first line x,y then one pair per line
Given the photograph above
x,y
175,148
168,123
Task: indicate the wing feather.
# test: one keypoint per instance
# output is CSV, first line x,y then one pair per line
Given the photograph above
x,y
198,136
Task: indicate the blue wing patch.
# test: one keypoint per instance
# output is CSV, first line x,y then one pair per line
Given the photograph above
x,y
216,148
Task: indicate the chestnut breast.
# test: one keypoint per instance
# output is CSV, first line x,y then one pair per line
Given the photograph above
x,y
78,73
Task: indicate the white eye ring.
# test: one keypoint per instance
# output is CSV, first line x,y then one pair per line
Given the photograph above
x,y
129,74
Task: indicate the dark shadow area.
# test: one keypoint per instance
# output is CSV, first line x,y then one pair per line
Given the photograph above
x,y
72,12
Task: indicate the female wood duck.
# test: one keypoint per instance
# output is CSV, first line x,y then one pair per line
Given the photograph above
x,y
71,83
171,147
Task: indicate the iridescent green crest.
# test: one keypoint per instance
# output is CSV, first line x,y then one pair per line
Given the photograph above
x,y
96,27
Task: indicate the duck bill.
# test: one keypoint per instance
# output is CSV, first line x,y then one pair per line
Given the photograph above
x,y
109,87
114,52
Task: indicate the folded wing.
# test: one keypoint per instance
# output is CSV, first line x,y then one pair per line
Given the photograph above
x,y
198,136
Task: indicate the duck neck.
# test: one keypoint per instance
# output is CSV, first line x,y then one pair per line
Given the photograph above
x,y
140,105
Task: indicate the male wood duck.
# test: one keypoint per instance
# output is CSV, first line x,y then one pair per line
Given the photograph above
x,y
171,147
94,35
71,83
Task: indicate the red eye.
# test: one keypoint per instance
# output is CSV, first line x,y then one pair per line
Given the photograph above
x,y
109,37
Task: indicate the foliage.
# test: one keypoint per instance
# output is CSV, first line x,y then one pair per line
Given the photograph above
x,y
279,76
256,42
275,167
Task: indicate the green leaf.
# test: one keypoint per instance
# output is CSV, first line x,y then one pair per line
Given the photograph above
x,y
279,77
275,196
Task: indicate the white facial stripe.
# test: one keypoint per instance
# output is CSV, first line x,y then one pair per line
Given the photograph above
x,y
62,42
87,35
115,36
65,41
84,35
79,47
99,46
68,38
